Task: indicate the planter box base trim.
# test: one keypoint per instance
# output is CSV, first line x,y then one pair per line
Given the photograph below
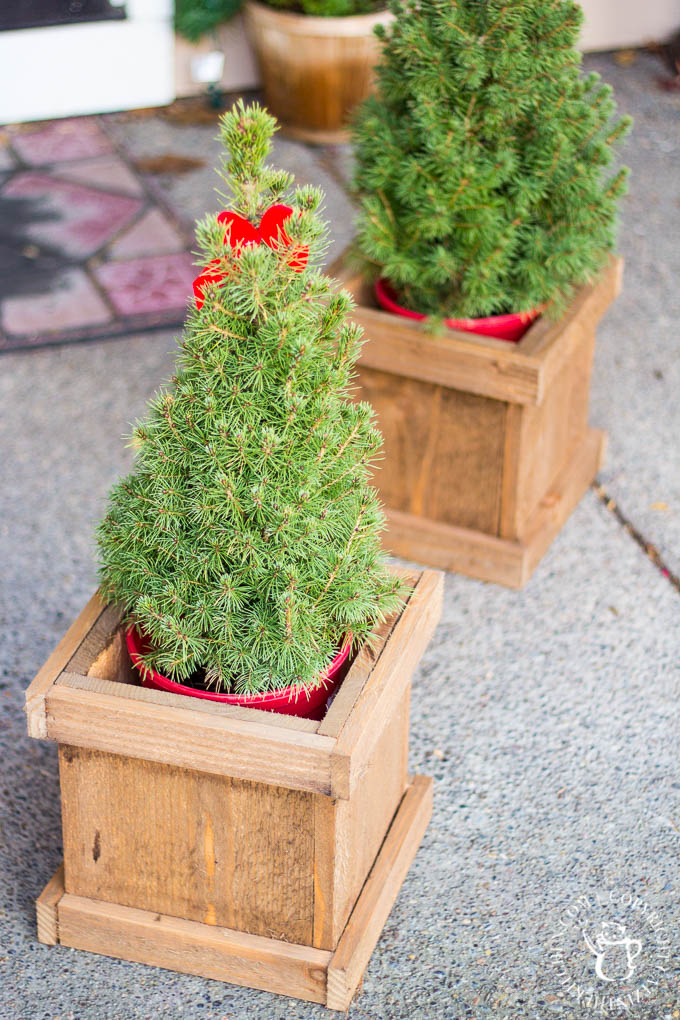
x,y
223,954
510,562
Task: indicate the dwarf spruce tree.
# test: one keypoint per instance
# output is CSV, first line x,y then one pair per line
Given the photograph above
x,y
480,159
246,540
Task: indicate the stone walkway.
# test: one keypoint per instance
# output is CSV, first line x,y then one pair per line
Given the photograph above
x,y
97,219
548,717
88,248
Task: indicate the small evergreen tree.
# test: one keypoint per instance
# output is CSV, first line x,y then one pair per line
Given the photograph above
x,y
246,540
480,159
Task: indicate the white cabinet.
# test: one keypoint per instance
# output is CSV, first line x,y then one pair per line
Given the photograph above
x,y
91,67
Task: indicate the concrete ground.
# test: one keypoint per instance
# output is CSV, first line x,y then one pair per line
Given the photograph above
x,y
548,718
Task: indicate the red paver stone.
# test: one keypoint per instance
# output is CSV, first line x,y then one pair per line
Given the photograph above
x,y
156,284
106,172
152,235
61,140
74,219
74,302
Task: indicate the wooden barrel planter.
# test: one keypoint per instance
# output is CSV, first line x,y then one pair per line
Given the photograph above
x,y
487,443
245,846
315,71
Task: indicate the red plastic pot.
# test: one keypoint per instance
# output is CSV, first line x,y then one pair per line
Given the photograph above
x,y
502,327
287,701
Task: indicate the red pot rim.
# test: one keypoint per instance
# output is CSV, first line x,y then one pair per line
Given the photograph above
x,y
138,643
490,325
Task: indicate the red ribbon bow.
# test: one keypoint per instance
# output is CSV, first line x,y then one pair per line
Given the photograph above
x,y
241,232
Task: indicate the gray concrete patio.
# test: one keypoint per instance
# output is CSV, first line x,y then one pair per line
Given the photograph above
x,y
548,718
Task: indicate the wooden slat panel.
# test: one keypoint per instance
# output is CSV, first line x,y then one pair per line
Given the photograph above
x,y
512,454
92,657
133,691
463,361
518,373
44,679
562,497
378,895
503,561
349,833
550,343
193,948
363,820
387,683
222,954
113,662
110,664
443,449
46,908
358,674
190,739
459,549
207,848
250,960
96,640
325,837
553,431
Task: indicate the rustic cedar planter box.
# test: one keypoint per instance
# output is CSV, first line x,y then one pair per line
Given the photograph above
x,y
231,843
487,445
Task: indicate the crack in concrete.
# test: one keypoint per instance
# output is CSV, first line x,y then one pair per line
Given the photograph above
x,y
649,549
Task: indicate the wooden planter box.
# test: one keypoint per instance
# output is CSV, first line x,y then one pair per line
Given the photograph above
x,y
487,445
232,843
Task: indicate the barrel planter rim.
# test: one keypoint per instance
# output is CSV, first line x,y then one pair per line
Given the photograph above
x,y
313,24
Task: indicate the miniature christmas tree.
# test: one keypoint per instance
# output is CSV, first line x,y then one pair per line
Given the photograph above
x,y
480,159
246,541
